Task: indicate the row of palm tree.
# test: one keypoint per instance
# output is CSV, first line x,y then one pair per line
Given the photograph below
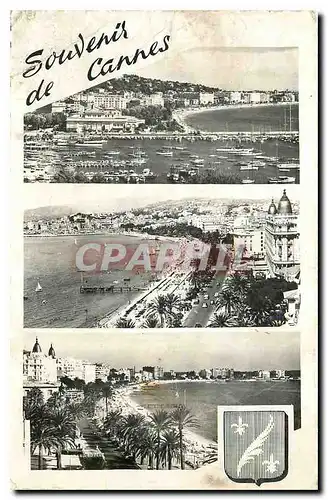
x,y
52,423
158,439
163,311
245,301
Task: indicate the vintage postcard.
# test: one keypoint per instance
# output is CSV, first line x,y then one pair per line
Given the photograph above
x,y
164,246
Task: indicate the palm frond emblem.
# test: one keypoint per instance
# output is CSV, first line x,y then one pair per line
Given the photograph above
x,y
240,427
255,443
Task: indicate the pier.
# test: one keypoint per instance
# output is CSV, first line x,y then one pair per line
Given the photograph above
x,y
111,289
201,135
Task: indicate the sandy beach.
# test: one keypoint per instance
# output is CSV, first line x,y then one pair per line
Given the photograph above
x,y
197,447
181,114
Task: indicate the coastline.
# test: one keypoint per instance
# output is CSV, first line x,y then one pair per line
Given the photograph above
x,y
197,446
121,233
180,115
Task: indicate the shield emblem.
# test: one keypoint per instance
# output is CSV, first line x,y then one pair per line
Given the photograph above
x,y
255,445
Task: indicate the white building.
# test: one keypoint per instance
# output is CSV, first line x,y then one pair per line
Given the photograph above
x,y
206,98
102,371
70,367
252,240
98,121
39,367
58,107
107,101
153,100
255,97
89,372
235,97
282,244
264,374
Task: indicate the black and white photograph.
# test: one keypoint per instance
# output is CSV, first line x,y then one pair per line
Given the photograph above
x,y
236,125
189,261
163,250
92,402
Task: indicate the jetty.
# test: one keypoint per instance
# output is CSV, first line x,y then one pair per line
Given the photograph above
x,y
111,289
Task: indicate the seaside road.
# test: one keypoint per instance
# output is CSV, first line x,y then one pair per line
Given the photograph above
x,y
115,459
199,314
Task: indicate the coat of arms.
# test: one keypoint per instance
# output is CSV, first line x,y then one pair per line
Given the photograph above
x,y
255,445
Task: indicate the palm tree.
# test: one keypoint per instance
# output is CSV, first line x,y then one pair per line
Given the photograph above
x,y
160,420
112,424
227,299
124,323
238,284
182,418
170,446
151,322
172,302
158,307
106,392
32,402
221,320
147,445
64,427
130,429
42,432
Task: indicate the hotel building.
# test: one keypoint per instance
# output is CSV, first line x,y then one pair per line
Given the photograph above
x,y
107,101
40,371
282,240
39,367
98,121
153,100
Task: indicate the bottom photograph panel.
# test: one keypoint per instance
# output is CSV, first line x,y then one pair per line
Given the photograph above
x,y
147,400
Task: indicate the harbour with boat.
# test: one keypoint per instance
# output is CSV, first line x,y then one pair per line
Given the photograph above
x,y
254,153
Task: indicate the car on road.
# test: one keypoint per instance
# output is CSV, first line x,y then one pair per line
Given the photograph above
x,y
212,302
216,294
205,295
205,305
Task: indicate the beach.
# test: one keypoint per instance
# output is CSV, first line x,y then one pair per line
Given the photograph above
x,y
197,446
182,115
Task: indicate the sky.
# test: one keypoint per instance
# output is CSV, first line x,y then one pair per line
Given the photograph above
x,y
245,68
251,350
103,197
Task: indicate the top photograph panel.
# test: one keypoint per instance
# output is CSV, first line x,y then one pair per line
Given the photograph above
x,y
167,124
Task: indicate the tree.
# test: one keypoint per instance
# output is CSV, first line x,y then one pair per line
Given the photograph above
x,y
151,322
227,299
158,307
106,392
172,302
124,323
99,178
32,402
237,284
170,446
131,425
221,320
160,420
182,418
43,435
81,178
146,445
64,427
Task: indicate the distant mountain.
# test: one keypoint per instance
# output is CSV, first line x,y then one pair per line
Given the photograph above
x,y
48,212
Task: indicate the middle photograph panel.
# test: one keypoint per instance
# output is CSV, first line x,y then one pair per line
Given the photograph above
x,y
144,258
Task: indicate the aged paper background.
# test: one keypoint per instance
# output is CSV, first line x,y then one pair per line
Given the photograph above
x,y
201,30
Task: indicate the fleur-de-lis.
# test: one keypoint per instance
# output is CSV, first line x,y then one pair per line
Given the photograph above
x,y
271,464
240,427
